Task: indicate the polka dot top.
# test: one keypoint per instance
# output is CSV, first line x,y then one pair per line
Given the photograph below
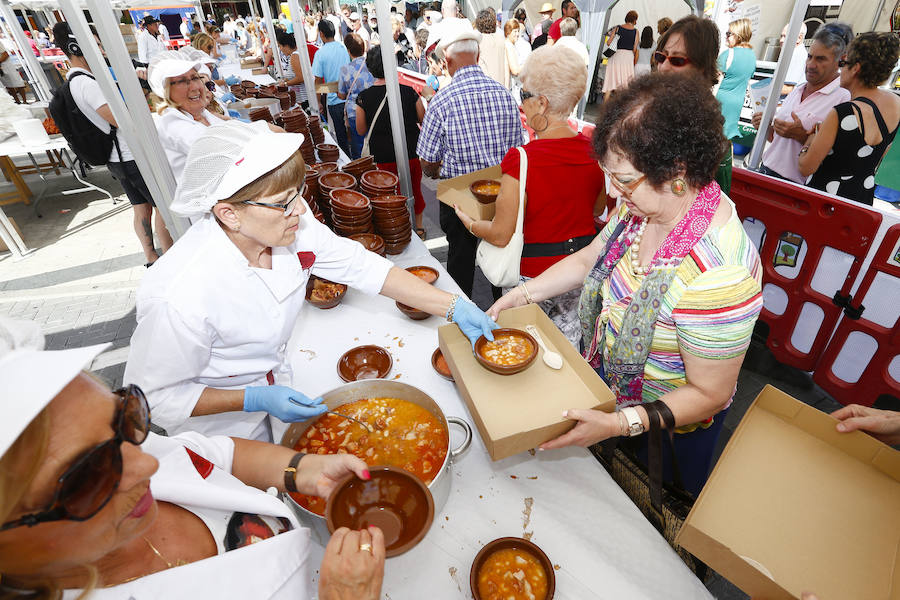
x,y
849,169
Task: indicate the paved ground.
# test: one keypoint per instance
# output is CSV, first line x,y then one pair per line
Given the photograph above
x,y
80,280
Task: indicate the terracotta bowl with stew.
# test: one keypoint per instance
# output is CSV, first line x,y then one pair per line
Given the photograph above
x,y
426,274
485,190
507,366
364,362
328,295
529,551
393,500
440,365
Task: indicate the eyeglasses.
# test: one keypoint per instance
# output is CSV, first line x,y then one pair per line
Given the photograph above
x,y
675,61
729,34
210,86
86,486
626,187
525,95
287,207
843,63
184,82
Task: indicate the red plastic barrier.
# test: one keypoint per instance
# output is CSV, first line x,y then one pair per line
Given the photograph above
x,y
875,379
822,221
413,80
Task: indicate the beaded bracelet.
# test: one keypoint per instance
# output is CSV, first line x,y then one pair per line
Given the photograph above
x,y
623,424
528,298
452,307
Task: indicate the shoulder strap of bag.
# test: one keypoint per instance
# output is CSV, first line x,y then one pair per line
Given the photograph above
x,y
523,175
355,77
365,148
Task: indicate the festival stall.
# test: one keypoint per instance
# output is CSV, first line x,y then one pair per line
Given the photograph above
x,y
170,16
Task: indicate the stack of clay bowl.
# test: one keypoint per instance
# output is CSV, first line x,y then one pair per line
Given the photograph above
x,y
285,99
391,219
315,130
359,166
329,182
307,148
351,212
312,183
325,167
370,241
378,183
247,84
311,202
261,114
328,153
294,121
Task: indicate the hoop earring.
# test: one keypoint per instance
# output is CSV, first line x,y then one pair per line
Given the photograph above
x,y
546,123
679,187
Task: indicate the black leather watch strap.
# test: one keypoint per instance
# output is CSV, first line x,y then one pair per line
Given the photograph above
x,y
290,473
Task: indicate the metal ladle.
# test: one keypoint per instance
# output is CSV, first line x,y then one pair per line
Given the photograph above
x,y
348,417
551,359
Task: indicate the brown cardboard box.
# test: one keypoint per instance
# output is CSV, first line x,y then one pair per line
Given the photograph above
x,y
456,191
792,505
259,71
517,412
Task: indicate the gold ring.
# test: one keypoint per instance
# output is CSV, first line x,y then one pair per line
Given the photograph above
x,y
365,548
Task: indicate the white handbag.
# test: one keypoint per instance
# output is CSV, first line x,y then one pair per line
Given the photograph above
x,y
501,265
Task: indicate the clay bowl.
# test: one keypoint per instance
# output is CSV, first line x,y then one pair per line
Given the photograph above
x,y
395,248
388,201
360,162
395,236
336,180
393,500
248,84
351,200
328,148
380,179
480,196
426,274
505,369
440,365
348,230
324,303
364,362
351,214
371,192
394,228
370,241
510,543
327,167
413,313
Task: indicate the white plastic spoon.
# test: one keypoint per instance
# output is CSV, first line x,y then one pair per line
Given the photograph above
x,y
551,359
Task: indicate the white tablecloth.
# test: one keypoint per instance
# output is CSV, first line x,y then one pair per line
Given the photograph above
x,y
582,520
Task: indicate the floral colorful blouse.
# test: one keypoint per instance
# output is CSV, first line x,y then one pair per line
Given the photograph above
x,y
711,317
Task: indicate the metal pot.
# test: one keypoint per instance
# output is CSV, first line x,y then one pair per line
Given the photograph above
x,y
380,388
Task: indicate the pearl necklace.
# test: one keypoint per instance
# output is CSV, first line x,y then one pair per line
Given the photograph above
x,y
636,267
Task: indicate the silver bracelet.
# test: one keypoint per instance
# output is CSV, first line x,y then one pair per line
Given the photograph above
x,y
528,298
452,308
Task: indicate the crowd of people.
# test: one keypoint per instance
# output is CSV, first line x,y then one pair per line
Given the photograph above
x,y
661,299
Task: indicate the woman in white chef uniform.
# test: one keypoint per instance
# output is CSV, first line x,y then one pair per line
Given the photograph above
x,y
90,500
215,313
176,79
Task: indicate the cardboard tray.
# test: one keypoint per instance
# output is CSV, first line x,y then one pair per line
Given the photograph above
x,y
456,191
514,413
792,506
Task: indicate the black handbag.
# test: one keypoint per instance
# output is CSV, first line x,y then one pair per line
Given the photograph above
x,y
611,48
665,505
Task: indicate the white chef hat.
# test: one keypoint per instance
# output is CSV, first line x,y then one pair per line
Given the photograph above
x,y
170,63
226,158
31,377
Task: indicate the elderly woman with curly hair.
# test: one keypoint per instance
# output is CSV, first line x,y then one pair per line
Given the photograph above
x,y
670,289
556,224
845,152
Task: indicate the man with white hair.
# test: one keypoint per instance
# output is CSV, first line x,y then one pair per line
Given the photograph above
x,y
357,28
568,27
469,125
796,72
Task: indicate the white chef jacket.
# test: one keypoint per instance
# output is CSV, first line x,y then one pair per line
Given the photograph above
x,y
205,318
149,46
275,568
177,133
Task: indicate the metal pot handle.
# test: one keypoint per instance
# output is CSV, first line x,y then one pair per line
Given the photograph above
x,y
454,452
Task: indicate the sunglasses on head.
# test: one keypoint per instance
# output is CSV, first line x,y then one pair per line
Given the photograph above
x,y
525,95
675,61
90,482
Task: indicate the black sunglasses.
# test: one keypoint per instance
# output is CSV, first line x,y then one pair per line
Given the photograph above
x,y
210,86
525,95
676,61
86,486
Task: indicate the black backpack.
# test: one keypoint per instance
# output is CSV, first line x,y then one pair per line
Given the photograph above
x,y
88,142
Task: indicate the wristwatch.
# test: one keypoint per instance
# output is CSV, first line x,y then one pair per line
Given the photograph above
x,y
290,473
635,426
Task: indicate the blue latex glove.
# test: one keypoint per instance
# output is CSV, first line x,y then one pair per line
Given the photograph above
x,y
280,401
432,81
229,97
232,80
473,321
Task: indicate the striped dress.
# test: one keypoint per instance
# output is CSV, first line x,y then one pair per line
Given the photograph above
x,y
709,310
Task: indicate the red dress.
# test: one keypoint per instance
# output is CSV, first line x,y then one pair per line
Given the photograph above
x,y
561,189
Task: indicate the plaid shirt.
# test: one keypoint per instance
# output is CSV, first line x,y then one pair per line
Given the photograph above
x,y
470,125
